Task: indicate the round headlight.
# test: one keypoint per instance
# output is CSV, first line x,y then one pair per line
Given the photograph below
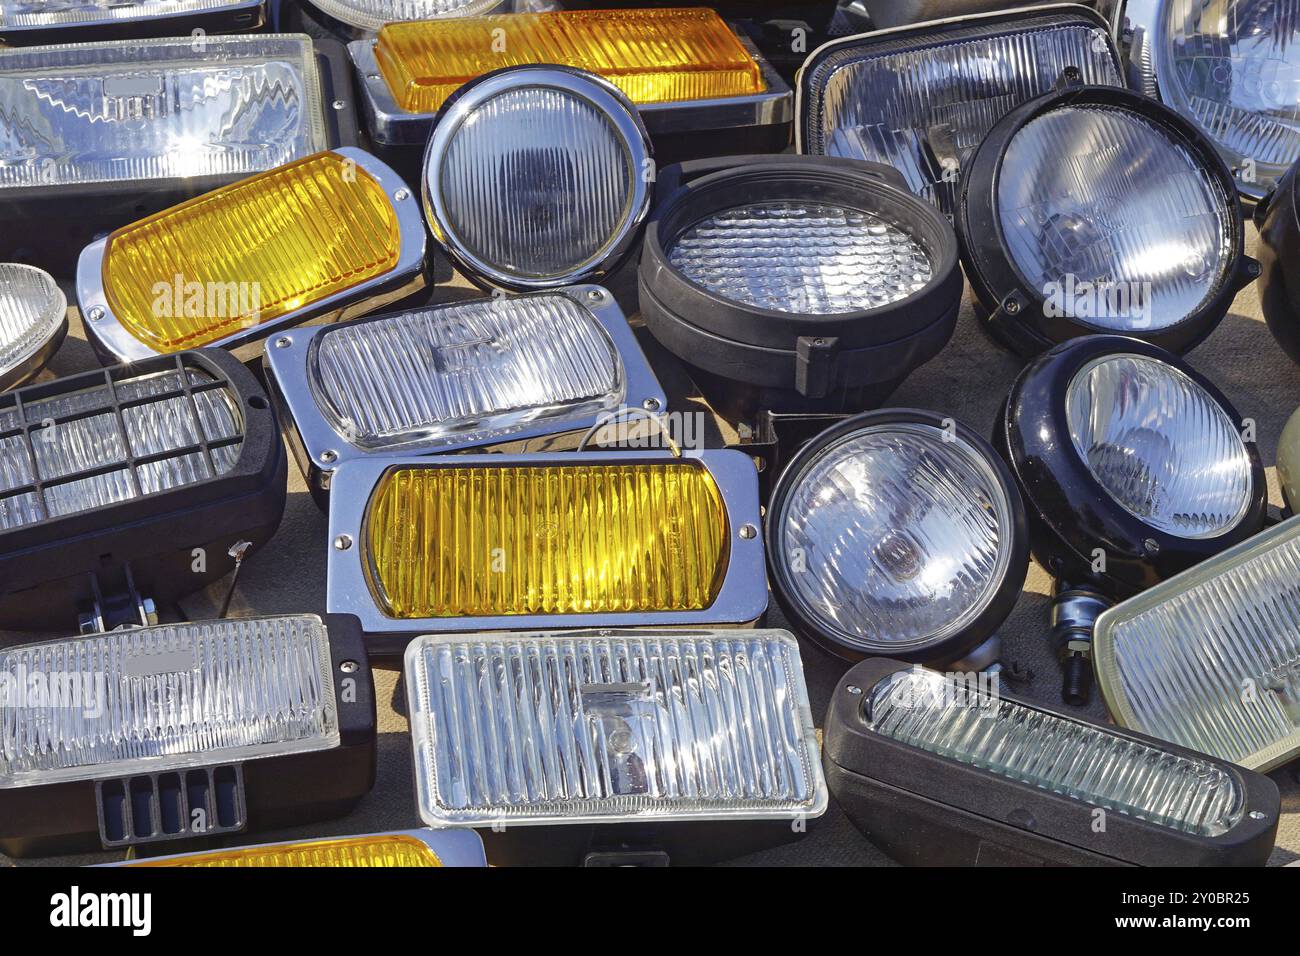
x,y
33,321
537,177
897,532
1139,231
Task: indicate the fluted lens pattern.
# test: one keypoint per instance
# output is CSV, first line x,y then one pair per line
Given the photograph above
x,y
1160,445
70,13
459,372
793,256
893,536
1083,761
536,183
155,109
367,851
1128,233
162,697
32,310
74,452
882,102
552,728
373,14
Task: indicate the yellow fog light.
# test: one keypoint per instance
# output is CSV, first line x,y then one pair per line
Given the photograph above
x,y
411,848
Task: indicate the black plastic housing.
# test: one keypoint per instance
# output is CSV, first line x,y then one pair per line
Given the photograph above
x,y
277,791
1016,313
1278,219
940,652
1070,513
746,358
925,809
48,567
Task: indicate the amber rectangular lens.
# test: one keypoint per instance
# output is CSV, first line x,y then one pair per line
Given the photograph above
x,y
250,253
370,851
488,540
654,56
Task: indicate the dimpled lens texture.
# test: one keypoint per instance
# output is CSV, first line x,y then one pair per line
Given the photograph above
x,y
32,309
801,257
1112,219
894,537
1160,445
536,183
1056,754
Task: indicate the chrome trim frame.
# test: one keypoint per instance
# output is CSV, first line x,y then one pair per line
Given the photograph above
x,y
453,846
111,340
391,125
320,449
233,10
741,600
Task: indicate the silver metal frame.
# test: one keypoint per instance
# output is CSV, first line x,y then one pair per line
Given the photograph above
x,y
342,12
320,448
453,846
110,337
36,358
233,9
741,600
391,125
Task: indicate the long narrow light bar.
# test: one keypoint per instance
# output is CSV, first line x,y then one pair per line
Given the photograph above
x,y
403,848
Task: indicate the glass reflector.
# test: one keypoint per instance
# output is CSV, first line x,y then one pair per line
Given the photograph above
x,y
173,695
37,14
458,372
120,440
373,14
558,728
1133,211
1160,445
366,851
792,256
486,540
256,250
156,109
654,56
896,535
32,310
1083,761
902,102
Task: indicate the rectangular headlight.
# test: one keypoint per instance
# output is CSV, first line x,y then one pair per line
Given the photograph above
x,y
448,377
685,69
128,733
994,780
348,236
921,98
1210,658
24,22
401,848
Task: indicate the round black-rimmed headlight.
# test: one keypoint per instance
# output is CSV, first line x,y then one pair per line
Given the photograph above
x,y
797,282
537,177
1095,210
897,532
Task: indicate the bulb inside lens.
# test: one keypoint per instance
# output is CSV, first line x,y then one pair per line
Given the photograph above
x,y
1160,445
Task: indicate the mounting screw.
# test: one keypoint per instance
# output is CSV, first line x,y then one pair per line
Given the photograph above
x,y
595,295
748,531
402,195
329,456
349,667
96,313
283,342
1257,814
651,404
1151,546
1253,268
339,104
372,76
343,542
854,689
1011,307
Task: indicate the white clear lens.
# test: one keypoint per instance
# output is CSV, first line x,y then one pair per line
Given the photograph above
x,y
37,14
32,311
1159,445
1210,659
465,372
1131,234
373,14
163,697
91,460
882,102
792,256
550,728
1083,761
157,109
894,536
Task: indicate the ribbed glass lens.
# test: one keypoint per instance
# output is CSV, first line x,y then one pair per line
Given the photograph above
x,y
1131,234
373,14
1083,761
32,310
805,257
456,373
542,728
1160,445
486,540
368,851
894,536
35,14
157,109
124,439
885,101
163,697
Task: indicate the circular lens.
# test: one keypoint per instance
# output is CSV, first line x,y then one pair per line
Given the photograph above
x,y
791,256
1160,445
32,310
1113,220
896,535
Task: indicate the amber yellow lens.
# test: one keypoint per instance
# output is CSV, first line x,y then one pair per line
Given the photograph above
x,y
393,850
546,539
249,253
654,56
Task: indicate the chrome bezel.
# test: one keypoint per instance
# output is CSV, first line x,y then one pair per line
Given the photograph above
x,y
453,846
234,10
742,598
109,337
354,18
38,353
